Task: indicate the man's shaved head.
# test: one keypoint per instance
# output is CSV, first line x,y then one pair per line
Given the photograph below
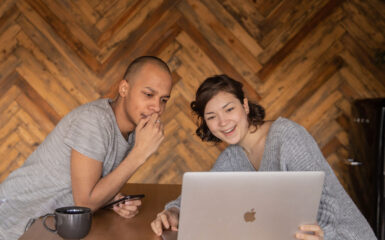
x,y
143,92
139,62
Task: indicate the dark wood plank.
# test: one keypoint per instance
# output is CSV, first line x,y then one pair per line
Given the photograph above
x,y
44,107
216,57
108,33
62,30
319,78
131,51
269,67
135,37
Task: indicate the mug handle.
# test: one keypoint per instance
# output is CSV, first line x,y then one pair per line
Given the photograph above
x,y
44,219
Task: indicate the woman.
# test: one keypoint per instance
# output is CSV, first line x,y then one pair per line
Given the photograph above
x,y
258,145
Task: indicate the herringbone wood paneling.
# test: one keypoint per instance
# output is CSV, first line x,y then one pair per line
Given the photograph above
x,y
302,59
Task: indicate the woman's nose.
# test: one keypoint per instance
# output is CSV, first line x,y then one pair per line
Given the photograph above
x,y
222,121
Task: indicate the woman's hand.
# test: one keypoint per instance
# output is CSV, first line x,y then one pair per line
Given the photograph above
x,y
310,232
165,220
128,208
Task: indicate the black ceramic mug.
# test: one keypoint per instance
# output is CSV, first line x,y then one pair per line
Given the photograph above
x,y
71,222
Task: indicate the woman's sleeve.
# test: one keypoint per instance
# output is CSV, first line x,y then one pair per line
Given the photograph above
x,y
175,203
300,152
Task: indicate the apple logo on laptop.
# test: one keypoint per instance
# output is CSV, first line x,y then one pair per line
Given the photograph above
x,y
249,216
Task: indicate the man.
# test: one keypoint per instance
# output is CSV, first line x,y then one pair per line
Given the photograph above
x,y
92,152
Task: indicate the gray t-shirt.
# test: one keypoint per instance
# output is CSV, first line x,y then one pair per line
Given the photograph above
x,y
289,147
43,183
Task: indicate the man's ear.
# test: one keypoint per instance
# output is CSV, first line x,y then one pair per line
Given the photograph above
x,y
246,105
124,86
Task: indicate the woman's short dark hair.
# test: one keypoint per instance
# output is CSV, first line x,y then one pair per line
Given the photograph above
x,y
211,87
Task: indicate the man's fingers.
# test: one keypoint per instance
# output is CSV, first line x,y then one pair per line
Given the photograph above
x,y
121,211
133,202
126,211
118,196
142,123
153,118
129,208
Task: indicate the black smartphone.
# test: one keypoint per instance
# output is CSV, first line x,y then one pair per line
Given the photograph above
x,y
128,197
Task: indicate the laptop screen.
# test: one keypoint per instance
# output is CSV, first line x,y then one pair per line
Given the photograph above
x,y
246,205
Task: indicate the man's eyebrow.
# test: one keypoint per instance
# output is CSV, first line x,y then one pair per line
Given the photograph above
x,y
151,89
154,91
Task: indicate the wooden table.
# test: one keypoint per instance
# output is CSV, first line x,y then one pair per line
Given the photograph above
x,y
106,224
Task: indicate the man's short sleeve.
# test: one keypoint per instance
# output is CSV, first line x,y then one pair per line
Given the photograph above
x,y
88,134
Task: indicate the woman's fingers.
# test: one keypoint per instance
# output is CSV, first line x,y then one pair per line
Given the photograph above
x,y
307,236
311,228
156,226
310,232
164,220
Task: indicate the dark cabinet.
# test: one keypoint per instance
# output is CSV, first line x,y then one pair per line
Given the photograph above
x,y
367,143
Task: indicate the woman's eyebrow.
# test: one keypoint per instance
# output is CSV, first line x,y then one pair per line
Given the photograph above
x,y
224,106
227,104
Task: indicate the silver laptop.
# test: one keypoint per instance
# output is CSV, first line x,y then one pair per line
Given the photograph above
x,y
247,205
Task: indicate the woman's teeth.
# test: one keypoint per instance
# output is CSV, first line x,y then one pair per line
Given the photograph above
x,y
230,130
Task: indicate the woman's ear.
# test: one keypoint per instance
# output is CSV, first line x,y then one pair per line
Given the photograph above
x,y
123,88
246,105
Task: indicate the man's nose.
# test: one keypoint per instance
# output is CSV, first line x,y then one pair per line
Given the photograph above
x,y
155,106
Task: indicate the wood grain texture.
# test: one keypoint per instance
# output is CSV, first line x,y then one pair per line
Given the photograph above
x,y
306,60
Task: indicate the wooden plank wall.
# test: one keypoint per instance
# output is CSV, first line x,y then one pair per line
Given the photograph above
x,y
302,59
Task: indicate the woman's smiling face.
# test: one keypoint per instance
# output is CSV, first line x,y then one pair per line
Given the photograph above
x,y
226,117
